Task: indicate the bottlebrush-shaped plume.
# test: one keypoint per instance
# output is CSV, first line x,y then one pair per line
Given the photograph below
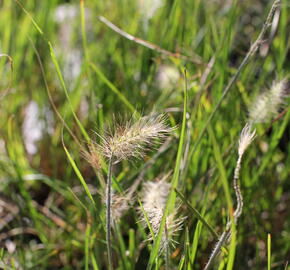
x,y
132,139
154,198
129,140
268,103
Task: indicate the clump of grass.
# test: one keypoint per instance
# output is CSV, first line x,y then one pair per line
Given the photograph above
x,y
121,71
130,140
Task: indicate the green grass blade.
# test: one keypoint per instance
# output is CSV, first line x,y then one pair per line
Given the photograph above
x,y
94,262
83,27
30,17
197,233
54,60
232,248
146,219
87,245
79,175
113,88
186,247
181,263
269,251
221,168
122,248
172,196
223,176
132,247
197,215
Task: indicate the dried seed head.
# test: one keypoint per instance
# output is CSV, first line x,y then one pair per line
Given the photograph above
x,y
246,137
119,206
92,155
154,200
155,194
132,140
268,104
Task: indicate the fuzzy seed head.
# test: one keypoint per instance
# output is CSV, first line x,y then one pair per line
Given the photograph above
x,y
246,137
119,206
155,194
268,104
154,200
133,139
92,155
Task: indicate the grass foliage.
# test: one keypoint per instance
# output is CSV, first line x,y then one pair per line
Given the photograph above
x,y
72,71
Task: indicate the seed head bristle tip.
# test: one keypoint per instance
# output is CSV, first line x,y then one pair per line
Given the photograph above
x,y
133,139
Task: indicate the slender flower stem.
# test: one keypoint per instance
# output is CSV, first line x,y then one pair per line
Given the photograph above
x,y
108,212
237,189
166,248
195,58
245,140
217,249
239,208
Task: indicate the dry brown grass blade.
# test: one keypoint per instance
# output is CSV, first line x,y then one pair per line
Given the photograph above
x,y
53,217
17,231
8,212
8,88
195,59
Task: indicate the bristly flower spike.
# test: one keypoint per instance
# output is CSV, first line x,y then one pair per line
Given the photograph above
x,y
154,198
267,104
132,140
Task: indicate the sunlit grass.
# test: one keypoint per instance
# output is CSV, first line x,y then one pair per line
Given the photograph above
x,y
194,61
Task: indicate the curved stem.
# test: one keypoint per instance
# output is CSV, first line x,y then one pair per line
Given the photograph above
x,y
108,212
237,189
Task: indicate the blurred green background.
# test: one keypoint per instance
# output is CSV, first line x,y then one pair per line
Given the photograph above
x,y
59,61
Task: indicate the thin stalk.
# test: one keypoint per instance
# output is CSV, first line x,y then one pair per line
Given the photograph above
x,y
108,212
195,58
217,249
237,189
166,248
9,86
269,252
225,237
198,215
